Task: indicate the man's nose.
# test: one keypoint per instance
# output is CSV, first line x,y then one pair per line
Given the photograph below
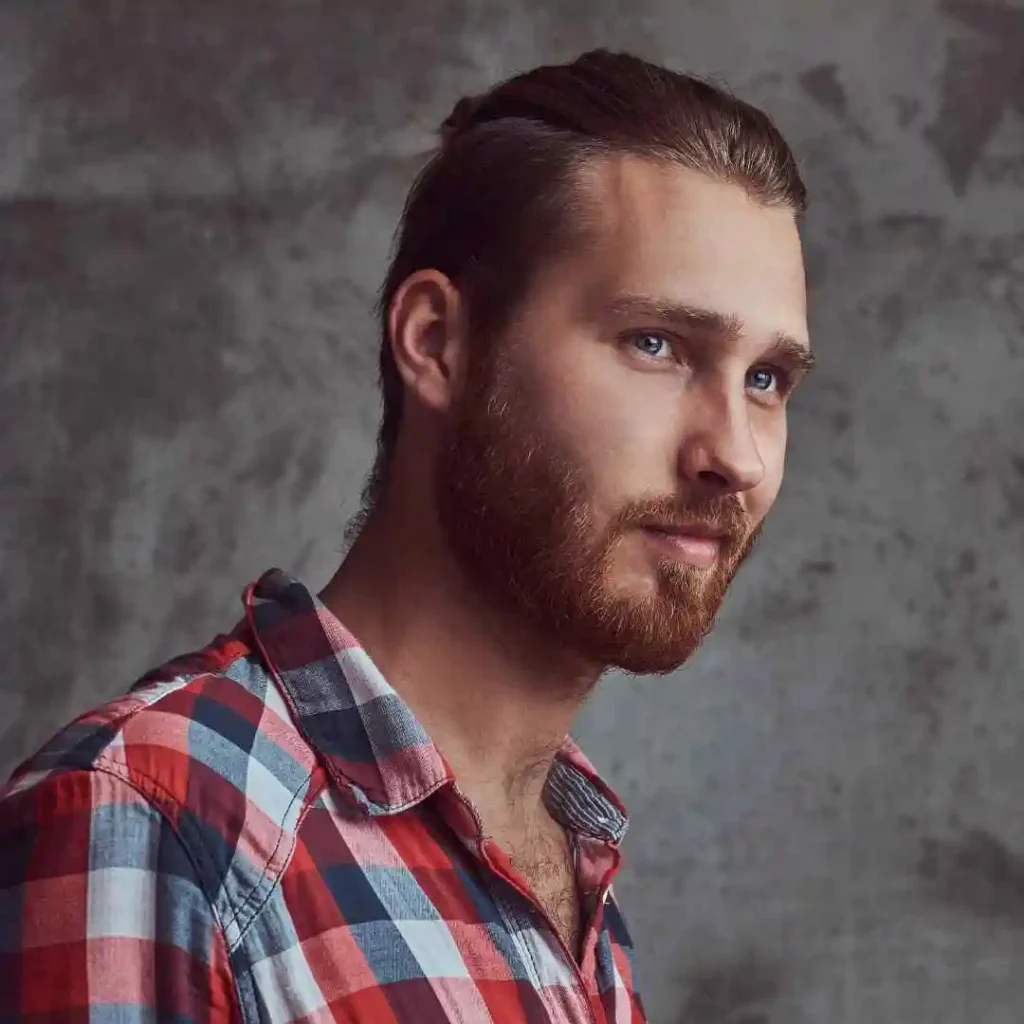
x,y
719,454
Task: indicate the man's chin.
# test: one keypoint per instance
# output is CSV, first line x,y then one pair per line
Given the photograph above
x,y
646,651
639,626
655,662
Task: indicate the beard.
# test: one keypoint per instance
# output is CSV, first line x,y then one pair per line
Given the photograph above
x,y
516,513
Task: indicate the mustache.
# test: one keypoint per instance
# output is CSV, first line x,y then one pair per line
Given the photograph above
x,y
724,515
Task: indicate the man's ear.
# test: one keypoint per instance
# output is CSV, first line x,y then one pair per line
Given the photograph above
x,y
426,328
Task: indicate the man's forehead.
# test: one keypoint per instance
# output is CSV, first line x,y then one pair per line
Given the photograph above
x,y
630,190
681,237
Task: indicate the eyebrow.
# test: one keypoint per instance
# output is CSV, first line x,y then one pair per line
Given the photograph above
x,y
783,347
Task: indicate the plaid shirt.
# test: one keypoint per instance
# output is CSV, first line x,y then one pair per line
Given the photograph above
x,y
262,831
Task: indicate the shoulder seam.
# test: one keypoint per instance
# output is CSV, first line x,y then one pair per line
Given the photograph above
x,y
263,888
115,771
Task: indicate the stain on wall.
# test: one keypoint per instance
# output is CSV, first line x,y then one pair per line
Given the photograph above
x,y
740,992
976,873
982,82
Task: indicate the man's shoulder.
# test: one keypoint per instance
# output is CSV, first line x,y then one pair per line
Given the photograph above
x,y
208,741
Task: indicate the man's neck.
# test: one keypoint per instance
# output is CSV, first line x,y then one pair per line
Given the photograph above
x,y
496,698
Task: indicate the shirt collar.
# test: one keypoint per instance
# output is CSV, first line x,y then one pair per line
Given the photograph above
x,y
366,735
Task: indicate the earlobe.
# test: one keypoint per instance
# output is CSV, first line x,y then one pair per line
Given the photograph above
x,y
425,328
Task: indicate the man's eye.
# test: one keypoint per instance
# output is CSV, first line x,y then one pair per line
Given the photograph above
x,y
656,346
764,379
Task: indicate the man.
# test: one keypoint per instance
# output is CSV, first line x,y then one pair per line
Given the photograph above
x,y
363,806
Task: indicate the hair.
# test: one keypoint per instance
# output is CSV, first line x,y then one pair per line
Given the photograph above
x,y
500,197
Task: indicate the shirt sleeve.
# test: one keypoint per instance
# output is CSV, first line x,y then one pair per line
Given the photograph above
x,y
102,915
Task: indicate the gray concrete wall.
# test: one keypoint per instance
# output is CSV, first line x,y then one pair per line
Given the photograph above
x,y
197,199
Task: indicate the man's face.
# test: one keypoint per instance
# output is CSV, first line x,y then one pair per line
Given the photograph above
x,y
613,456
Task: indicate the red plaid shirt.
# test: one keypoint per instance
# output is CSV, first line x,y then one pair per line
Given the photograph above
x,y
262,831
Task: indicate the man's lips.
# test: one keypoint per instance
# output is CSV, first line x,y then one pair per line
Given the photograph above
x,y
696,543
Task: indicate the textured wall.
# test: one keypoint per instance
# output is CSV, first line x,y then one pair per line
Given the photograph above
x,y
197,199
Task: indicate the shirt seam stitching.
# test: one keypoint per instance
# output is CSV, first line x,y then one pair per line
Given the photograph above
x,y
243,928
101,764
102,758
161,795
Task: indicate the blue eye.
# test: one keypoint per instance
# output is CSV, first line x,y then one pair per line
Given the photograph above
x,y
763,379
656,346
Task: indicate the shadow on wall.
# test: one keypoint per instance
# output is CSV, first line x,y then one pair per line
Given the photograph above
x,y
977,873
740,992
108,81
